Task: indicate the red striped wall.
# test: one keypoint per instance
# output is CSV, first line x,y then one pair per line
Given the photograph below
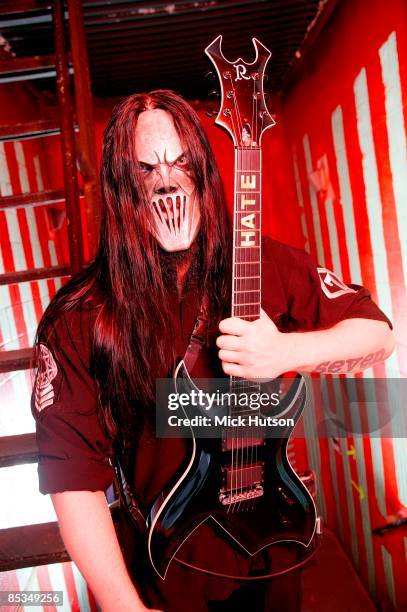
x,y
345,124
27,241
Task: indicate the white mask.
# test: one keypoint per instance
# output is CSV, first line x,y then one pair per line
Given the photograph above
x,y
169,185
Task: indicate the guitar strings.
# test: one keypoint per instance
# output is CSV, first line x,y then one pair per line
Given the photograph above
x,y
259,214
242,455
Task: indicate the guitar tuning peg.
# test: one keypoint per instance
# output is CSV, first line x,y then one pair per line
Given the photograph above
x,y
211,113
210,75
214,93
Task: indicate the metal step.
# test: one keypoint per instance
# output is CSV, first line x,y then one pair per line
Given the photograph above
x,y
24,131
35,129
17,450
9,7
31,545
23,276
27,200
25,68
20,359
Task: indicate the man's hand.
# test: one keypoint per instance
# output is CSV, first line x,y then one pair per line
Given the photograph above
x,y
254,350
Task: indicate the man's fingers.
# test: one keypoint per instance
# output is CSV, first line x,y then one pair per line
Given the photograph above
x,y
234,326
233,369
230,356
230,343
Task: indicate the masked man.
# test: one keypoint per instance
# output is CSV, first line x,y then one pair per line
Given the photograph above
x,y
165,243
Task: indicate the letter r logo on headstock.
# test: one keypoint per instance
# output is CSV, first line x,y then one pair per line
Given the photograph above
x,y
243,111
241,72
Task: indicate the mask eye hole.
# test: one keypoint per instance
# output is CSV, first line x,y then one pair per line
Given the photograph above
x,y
145,168
182,161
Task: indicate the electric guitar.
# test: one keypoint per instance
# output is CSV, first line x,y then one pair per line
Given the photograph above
x,y
243,484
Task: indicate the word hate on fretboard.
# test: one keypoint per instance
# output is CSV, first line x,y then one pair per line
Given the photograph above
x,y
247,234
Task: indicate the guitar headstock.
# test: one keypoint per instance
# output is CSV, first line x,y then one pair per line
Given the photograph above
x,y
243,111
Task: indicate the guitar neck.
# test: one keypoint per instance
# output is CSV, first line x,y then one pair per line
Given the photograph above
x,y
246,288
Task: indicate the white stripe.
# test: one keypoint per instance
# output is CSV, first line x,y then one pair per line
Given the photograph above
x,y
362,482
398,165
81,589
323,169
314,202
15,240
7,322
18,252
22,167
303,219
37,255
374,205
347,473
38,173
388,572
54,261
31,222
313,447
346,196
376,445
5,183
397,137
375,215
332,461
20,264
8,326
57,579
372,189
27,578
333,238
398,425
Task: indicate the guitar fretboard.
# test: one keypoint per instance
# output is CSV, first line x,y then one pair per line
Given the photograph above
x,y
246,292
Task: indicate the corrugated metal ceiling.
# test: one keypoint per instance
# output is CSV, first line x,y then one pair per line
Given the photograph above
x,y
137,45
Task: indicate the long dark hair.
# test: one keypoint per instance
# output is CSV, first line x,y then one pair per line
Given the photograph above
x,y
132,330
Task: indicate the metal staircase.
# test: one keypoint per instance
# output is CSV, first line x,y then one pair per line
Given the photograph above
x,y
38,544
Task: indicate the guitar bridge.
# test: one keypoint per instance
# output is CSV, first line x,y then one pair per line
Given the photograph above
x,y
241,483
232,497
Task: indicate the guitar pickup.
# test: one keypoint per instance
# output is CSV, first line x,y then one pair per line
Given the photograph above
x,y
242,477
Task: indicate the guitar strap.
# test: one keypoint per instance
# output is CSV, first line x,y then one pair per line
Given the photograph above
x,y
197,340
199,336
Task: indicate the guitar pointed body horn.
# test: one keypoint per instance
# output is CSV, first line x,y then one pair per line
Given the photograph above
x,y
215,47
261,50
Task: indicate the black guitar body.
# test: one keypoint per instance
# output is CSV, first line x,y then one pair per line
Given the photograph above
x,y
252,496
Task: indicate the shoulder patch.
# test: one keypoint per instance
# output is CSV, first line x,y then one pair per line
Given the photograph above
x,y
47,371
331,285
